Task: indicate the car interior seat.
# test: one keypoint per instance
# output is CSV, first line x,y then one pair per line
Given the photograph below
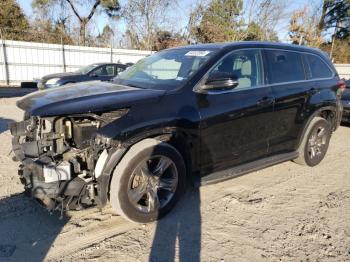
x,y
245,80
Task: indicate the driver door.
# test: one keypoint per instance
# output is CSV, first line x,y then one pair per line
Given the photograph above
x,y
235,123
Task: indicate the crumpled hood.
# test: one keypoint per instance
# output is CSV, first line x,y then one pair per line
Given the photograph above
x,y
94,96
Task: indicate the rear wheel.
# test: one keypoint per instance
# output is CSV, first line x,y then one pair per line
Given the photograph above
x,y
148,181
315,142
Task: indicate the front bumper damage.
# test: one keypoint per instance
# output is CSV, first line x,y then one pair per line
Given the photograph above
x,y
62,162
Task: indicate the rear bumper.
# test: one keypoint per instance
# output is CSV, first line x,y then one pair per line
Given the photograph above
x,y
346,115
345,111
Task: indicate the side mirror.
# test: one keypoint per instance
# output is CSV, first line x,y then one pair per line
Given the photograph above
x,y
94,75
220,84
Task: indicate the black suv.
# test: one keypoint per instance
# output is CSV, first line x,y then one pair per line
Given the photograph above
x,y
200,113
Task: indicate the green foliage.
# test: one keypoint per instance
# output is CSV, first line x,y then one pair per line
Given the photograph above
x,y
104,39
341,50
111,7
336,14
77,8
40,3
220,21
12,20
335,18
165,39
255,32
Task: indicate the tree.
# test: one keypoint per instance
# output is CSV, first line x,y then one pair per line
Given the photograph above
x,y
109,7
13,22
262,16
165,39
230,20
219,21
326,26
336,14
303,28
255,32
105,38
143,19
341,50
43,30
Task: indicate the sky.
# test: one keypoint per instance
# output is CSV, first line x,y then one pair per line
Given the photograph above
x,y
182,13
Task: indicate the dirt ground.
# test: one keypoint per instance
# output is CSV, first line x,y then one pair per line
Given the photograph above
x,y
283,213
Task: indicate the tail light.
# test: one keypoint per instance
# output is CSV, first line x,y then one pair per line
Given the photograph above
x,y
341,85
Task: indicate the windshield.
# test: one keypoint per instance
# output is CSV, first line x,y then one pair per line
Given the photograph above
x,y
86,69
168,69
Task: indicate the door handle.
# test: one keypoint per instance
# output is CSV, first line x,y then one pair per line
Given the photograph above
x,y
267,100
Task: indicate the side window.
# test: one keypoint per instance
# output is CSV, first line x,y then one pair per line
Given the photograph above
x,y
119,69
318,68
284,66
104,71
243,65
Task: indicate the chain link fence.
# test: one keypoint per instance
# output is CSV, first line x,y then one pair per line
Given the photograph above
x,y
25,61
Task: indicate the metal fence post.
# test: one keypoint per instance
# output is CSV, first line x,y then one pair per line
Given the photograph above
x,y
111,51
63,56
111,54
4,55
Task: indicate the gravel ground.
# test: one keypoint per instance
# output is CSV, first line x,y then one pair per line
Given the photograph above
x,y
283,213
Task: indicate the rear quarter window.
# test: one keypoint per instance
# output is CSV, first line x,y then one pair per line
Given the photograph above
x,y
284,66
318,68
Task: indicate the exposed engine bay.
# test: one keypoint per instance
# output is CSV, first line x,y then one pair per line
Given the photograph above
x,y
62,157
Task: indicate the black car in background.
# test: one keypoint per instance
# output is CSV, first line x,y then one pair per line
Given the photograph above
x,y
201,113
98,71
346,103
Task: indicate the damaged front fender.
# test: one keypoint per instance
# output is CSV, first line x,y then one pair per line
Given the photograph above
x,y
114,157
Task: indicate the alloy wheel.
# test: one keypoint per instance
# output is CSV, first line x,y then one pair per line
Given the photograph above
x,y
153,184
317,142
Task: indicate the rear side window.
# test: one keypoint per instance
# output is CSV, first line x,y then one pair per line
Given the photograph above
x,y
284,66
318,67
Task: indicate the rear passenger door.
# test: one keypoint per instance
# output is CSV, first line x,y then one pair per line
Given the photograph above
x,y
288,80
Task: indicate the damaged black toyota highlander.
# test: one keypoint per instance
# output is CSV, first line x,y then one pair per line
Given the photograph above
x,y
197,114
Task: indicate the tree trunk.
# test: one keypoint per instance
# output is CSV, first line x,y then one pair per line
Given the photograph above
x,y
82,31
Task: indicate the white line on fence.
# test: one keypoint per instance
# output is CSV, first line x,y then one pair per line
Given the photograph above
x,y
25,61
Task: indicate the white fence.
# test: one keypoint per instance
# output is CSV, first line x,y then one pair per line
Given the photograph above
x,y
25,61
343,70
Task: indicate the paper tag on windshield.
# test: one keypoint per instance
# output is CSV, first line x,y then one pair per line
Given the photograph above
x,y
197,53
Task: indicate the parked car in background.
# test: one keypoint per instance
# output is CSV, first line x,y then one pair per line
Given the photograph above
x,y
129,64
98,71
204,113
346,103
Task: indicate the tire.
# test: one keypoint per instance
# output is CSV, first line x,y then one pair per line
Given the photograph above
x,y
140,179
315,142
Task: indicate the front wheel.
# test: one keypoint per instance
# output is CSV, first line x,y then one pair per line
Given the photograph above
x,y
315,142
148,181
